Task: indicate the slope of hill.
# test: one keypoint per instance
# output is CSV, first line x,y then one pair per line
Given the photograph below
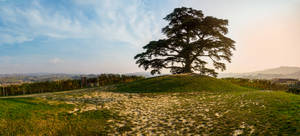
x,y
280,72
179,83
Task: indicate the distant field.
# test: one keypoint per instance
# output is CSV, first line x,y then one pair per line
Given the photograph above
x,y
171,105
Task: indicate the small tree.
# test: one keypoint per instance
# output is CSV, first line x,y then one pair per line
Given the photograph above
x,y
190,38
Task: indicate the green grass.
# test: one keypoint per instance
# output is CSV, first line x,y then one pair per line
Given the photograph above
x,y
259,112
179,83
270,113
278,113
32,116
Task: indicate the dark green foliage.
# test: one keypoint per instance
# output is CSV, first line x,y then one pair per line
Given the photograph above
x,y
179,83
107,79
192,39
39,87
54,86
294,90
257,84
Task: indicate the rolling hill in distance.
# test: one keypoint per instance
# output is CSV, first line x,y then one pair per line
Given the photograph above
x,y
20,78
280,72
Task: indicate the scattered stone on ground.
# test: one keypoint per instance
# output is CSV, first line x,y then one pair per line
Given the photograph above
x,y
156,114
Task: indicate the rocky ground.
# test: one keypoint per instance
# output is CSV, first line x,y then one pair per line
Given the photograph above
x,y
193,113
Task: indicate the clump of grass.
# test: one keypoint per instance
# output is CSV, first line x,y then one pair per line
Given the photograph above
x,y
179,83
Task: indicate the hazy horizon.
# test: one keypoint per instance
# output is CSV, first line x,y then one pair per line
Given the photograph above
x,y
74,36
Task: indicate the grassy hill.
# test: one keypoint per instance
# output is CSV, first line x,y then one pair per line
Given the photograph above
x,y
180,83
170,105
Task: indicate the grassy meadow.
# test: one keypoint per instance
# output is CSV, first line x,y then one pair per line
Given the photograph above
x,y
33,116
169,105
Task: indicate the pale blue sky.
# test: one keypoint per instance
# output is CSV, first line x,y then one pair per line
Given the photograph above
x,y
102,36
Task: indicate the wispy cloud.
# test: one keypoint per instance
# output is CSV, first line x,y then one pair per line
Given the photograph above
x,y
111,21
11,39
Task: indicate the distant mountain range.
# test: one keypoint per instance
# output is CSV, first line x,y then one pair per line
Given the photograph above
x,y
280,72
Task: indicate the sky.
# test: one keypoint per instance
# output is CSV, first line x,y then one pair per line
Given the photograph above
x,y
103,36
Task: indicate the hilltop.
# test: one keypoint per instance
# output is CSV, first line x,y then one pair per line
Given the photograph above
x,y
179,83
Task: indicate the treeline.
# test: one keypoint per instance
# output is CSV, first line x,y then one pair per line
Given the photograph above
x,y
257,84
62,85
294,88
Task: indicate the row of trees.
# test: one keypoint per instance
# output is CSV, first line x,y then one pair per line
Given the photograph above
x,y
107,79
257,84
294,88
54,86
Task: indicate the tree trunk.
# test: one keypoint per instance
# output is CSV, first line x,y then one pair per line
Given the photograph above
x,y
188,66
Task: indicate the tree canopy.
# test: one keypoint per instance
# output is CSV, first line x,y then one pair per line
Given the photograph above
x,y
192,41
